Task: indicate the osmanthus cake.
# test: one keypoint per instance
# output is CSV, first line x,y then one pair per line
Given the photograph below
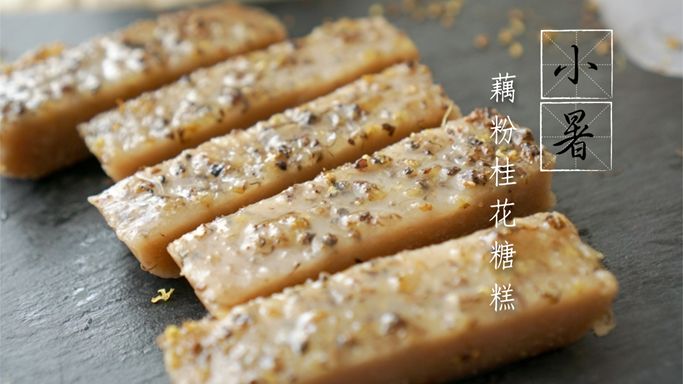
x,y
161,203
33,57
46,94
241,91
422,316
429,187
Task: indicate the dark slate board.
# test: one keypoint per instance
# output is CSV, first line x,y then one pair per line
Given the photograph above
x,y
75,306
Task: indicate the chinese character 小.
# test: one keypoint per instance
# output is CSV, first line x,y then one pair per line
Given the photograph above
x,y
575,79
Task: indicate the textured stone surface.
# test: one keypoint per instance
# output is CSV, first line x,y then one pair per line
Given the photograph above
x,y
75,306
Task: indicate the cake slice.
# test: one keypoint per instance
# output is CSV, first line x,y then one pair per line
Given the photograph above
x,y
241,91
422,316
33,57
46,94
161,203
432,186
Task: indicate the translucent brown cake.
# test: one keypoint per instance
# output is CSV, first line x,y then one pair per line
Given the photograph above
x,y
241,91
422,316
432,186
46,94
161,203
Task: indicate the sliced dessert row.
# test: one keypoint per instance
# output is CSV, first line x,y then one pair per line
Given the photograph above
x,y
429,187
422,316
265,210
240,91
46,94
161,203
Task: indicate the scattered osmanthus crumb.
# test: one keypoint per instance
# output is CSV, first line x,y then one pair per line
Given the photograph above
x,y
590,6
515,13
589,15
163,295
434,10
606,323
447,21
613,173
421,10
481,41
418,14
376,10
603,48
505,36
453,7
289,21
517,27
407,6
547,36
620,61
679,153
446,115
516,50
393,9
673,43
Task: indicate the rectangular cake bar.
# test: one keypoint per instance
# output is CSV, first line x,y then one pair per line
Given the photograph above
x,y
432,186
241,91
161,203
46,94
422,316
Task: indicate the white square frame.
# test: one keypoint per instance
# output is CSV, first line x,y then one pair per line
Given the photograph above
x,y
611,67
611,148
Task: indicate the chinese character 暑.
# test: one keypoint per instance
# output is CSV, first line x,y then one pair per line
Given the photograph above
x,y
504,170
502,300
499,127
577,146
503,212
503,87
502,255
575,79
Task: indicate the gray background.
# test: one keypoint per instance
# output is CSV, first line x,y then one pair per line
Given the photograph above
x,y
75,306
